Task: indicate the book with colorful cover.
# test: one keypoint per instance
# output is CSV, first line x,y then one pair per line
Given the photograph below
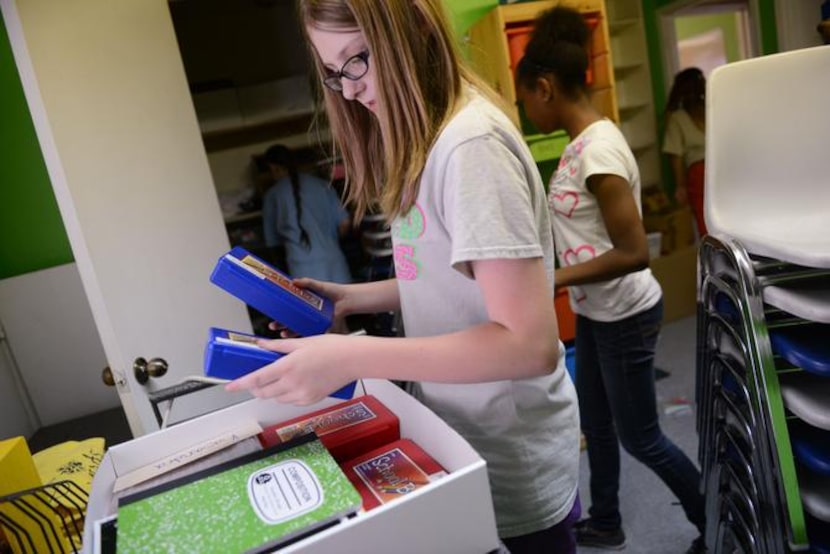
x,y
272,292
392,471
256,503
347,429
231,354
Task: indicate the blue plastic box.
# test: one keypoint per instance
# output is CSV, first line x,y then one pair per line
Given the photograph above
x,y
230,355
570,361
271,292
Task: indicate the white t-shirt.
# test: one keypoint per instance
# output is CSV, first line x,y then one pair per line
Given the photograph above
x,y
481,197
579,230
684,138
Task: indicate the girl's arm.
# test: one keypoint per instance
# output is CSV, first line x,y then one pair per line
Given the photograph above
x,y
519,341
358,298
625,228
373,297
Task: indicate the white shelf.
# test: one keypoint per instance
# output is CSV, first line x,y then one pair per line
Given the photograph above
x,y
640,147
619,25
629,109
628,66
633,85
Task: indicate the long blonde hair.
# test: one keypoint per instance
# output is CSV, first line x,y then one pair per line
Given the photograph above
x,y
420,81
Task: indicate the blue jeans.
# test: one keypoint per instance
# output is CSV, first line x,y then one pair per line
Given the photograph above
x,y
615,386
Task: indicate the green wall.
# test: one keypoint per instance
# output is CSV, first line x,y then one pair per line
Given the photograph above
x,y
466,12
693,25
32,235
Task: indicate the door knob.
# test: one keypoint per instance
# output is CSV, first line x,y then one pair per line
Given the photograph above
x,y
143,369
107,377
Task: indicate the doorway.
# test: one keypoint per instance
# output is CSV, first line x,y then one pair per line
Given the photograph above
x,y
707,34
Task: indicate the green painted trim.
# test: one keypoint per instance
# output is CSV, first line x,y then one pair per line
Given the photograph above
x,y
783,447
32,231
768,28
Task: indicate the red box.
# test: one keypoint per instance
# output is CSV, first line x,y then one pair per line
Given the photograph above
x,y
348,429
387,473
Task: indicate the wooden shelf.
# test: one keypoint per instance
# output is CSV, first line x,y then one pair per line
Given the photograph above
x,y
490,48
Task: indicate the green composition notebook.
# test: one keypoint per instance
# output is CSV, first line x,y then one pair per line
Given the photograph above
x,y
256,503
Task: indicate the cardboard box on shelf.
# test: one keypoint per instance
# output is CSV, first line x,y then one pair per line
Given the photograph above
x,y
676,227
677,275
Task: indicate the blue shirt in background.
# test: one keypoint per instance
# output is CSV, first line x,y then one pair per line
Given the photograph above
x,y
322,213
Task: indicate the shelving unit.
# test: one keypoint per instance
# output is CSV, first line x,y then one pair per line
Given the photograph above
x,y
491,40
632,74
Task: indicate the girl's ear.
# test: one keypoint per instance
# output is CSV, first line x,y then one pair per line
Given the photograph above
x,y
545,88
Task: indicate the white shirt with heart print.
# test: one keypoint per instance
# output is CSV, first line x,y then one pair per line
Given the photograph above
x,y
578,228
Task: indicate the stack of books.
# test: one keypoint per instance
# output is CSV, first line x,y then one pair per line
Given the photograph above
x,y
256,503
232,354
311,473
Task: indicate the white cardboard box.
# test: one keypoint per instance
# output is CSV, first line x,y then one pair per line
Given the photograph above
x,y
452,515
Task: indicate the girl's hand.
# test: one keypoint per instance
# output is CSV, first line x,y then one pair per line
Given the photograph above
x,y
335,292
313,370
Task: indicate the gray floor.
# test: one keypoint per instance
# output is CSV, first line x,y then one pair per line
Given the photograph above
x,y
653,521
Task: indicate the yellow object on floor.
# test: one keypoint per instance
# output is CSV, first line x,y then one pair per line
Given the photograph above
x,y
76,461
21,531
48,518
16,467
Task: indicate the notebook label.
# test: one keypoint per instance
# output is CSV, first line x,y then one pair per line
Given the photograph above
x,y
329,422
284,491
282,281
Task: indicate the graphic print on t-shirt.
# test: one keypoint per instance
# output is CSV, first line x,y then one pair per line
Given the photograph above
x,y
410,227
564,203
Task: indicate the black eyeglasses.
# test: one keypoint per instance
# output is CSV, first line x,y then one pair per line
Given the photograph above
x,y
353,69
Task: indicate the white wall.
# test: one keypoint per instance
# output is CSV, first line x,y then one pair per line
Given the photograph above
x,y
51,335
797,21
15,418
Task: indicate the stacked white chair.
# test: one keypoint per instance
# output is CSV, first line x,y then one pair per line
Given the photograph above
x,y
763,368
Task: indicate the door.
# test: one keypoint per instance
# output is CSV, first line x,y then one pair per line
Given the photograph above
x,y
707,33
110,102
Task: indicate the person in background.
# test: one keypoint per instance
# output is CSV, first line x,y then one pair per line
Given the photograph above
x,y
303,213
595,207
685,140
425,138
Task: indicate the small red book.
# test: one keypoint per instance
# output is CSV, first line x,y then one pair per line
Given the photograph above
x,y
391,471
347,430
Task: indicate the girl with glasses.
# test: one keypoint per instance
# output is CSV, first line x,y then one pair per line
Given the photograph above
x,y
425,140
